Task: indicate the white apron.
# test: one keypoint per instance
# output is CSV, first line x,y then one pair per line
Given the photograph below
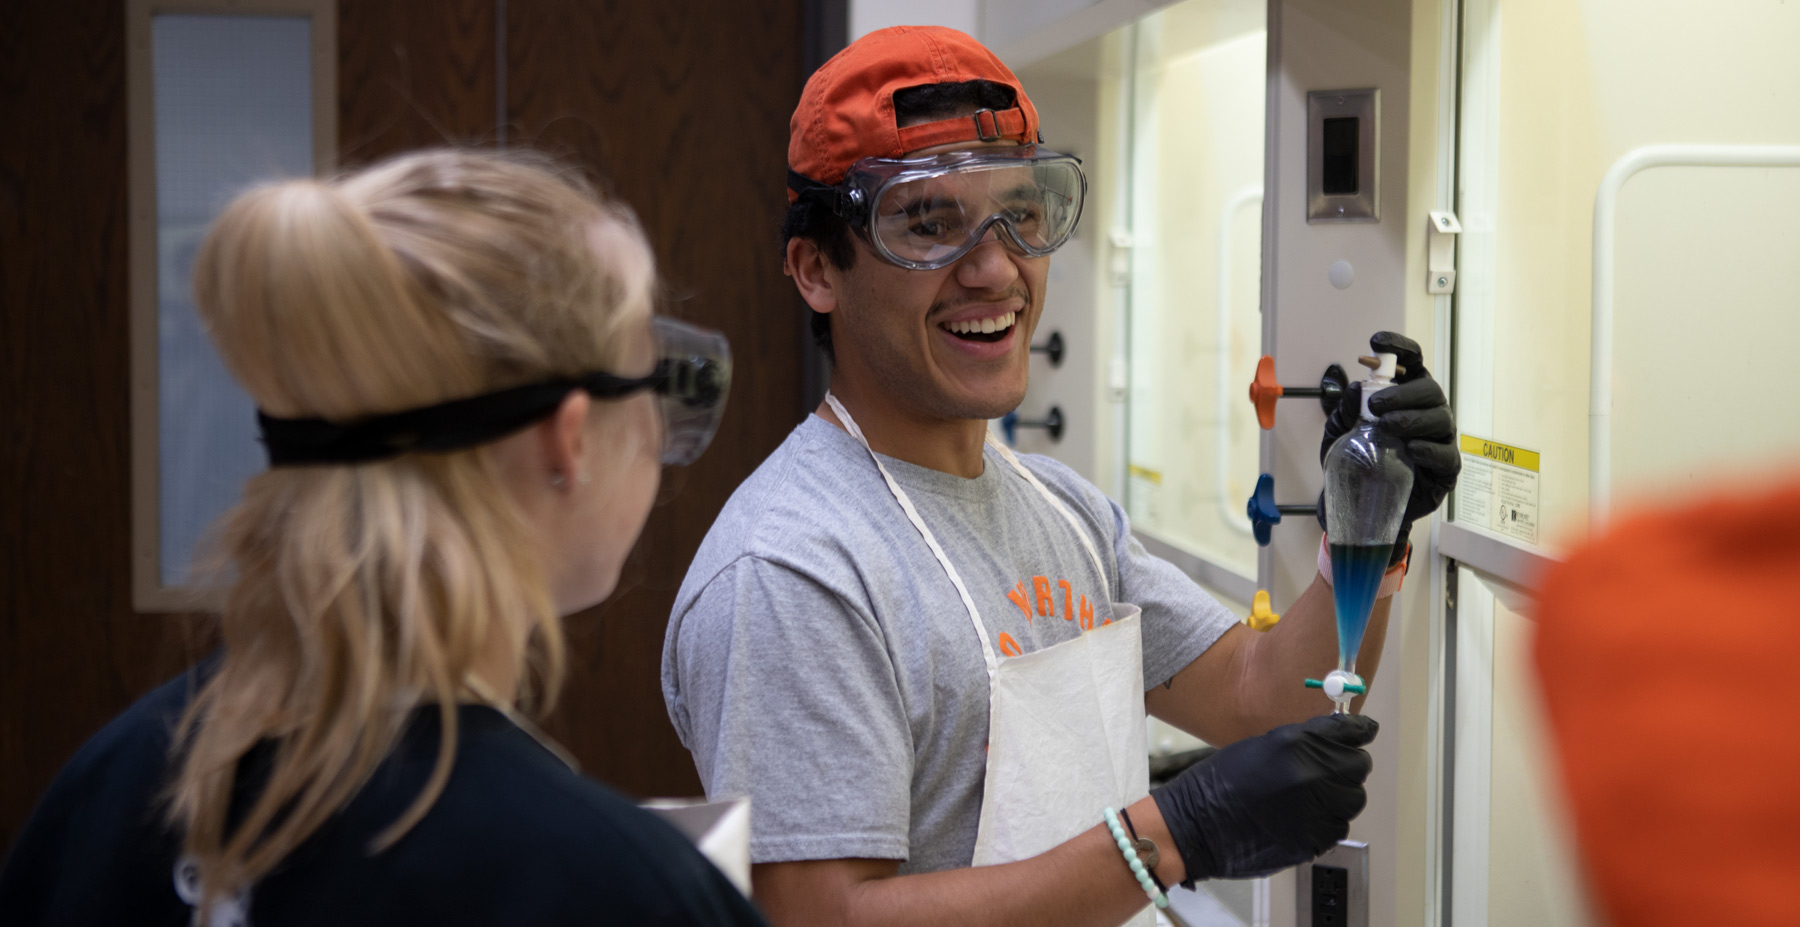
x,y
1065,724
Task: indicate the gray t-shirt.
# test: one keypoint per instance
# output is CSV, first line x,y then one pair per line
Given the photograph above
x,y
820,661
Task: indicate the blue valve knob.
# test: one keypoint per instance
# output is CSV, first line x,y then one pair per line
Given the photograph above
x,y
1262,510
1265,513
1010,423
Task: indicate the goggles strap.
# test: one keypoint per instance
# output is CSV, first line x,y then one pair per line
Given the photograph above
x,y
447,426
803,185
836,199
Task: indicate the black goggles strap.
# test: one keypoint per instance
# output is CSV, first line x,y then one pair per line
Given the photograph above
x,y
803,185
447,426
839,200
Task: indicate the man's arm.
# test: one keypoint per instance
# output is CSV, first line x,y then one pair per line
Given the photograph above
x,y
1249,682
1255,807
1082,882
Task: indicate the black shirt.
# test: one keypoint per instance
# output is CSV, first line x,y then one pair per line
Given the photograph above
x,y
515,838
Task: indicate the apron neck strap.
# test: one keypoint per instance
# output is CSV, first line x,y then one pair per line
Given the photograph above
x,y
912,515
1055,503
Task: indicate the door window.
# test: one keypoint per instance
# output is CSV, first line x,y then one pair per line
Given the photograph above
x,y
1195,245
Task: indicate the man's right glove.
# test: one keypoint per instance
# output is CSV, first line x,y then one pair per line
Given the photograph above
x,y
1269,802
1414,411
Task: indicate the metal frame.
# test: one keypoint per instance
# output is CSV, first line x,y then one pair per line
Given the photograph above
x,y
1494,555
1271,204
1229,509
1263,901
1600,387
148,593
1470,762
1440,670
1464,649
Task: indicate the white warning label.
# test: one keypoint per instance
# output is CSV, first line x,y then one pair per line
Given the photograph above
x,y
1498,488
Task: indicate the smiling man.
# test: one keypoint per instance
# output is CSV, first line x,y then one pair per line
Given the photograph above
x,y
927,660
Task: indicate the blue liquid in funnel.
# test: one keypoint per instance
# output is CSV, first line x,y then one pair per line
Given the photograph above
x,y
1356,573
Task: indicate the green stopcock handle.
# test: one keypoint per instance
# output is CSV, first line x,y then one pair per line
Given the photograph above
x,y
1348,687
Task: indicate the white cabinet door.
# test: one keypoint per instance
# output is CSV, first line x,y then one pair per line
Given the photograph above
x,y
1625,311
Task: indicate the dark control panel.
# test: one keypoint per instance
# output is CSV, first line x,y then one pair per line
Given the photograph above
x,y
1330,895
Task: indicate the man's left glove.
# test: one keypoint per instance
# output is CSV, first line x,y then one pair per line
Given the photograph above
x,y
1269,802
1415,411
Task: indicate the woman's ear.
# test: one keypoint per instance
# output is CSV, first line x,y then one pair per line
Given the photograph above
x,y
563,440
813,275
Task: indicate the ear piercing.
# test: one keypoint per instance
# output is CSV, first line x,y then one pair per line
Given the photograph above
x,y
558,481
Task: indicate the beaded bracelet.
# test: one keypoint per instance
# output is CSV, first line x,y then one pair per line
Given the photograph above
x,y
1131,859
1141,842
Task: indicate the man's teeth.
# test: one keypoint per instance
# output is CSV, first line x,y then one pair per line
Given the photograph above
x,y
982,326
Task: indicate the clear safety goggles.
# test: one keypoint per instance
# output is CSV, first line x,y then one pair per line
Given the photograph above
x,y
925,213
691,380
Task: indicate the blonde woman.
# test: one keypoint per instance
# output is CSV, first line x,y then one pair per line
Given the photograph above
x,y
465,398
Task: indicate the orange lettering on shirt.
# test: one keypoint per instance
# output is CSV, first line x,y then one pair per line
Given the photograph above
x,y
1046,606
1008,646
1068,598
1017,595
1087,615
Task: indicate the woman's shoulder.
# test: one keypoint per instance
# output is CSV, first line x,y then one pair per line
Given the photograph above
x,y
520,836
102,810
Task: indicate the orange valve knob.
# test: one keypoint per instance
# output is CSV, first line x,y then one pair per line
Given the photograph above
x,y
1264,390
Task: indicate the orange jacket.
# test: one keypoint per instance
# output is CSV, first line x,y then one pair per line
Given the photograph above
x,y
1669,653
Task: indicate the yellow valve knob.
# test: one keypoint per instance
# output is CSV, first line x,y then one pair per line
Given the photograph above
x,y
1262,618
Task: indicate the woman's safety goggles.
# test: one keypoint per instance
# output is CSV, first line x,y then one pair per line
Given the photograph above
x,y
691,380
925,213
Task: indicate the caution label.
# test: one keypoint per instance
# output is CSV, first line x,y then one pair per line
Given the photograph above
x,y
1498,489
1145,495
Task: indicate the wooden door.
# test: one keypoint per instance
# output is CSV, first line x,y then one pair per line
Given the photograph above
x,y
682,107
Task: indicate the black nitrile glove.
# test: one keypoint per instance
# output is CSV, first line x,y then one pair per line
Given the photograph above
x,y
1269,802
1415,411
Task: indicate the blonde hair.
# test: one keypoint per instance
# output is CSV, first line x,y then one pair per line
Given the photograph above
x,y
361,591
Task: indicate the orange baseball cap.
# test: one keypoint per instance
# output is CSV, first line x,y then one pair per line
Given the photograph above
x,y
846,111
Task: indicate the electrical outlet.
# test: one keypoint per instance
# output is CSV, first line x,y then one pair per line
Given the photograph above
x,y
1330,895
1333,890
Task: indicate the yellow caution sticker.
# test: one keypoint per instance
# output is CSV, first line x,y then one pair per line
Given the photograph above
x,y
1500,453
1499,489
1145,473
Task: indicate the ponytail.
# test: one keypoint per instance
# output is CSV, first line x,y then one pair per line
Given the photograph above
x,y
359,592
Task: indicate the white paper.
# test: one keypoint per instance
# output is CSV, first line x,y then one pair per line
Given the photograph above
x,y
720,829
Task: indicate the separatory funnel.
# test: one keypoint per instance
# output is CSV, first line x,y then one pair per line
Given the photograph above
x,y
1366,488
